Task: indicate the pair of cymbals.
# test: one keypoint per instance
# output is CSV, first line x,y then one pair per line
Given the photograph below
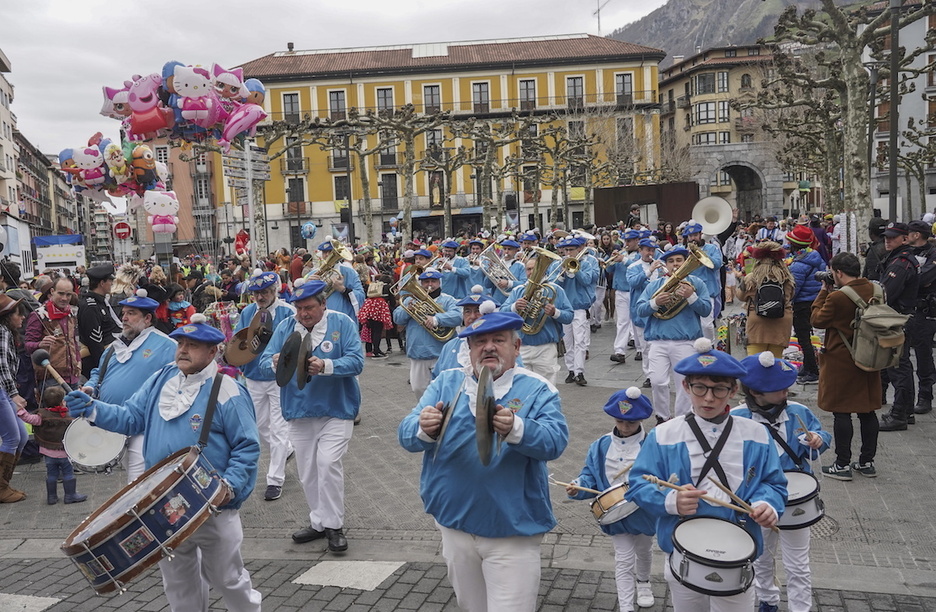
x,y
249,342
294,359
485,408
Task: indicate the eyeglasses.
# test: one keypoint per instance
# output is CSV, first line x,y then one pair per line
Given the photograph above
x,y
719,391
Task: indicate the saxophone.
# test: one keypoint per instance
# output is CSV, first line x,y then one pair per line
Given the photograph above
x,y
538,293
421,307
697,257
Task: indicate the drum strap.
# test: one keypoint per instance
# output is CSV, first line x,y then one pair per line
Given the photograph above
x,y
783,444
210,410
711,454
103,371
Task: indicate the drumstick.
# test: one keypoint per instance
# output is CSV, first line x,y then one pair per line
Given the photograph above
x,y
623,471
802,423
665,483
574,486
747,507
41,357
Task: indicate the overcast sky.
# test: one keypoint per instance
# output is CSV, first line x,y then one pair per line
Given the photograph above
x,y
63,51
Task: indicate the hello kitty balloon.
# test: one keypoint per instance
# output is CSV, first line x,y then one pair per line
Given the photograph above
x,y
162,208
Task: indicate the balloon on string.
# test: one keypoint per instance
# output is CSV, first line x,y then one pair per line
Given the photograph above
x,y
393,222
308,230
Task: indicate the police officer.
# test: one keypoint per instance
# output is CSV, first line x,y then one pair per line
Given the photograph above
x,y
922,324
901,283
98,324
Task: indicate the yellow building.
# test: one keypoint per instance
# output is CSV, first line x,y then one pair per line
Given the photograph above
x,y
604,86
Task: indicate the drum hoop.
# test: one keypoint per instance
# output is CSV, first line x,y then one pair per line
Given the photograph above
x,y
802,500
71,548
710,592
809,523
714,562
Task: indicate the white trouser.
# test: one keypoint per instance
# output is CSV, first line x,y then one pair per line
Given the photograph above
x,y
597,309
542,359
708,323
321,443
576,336
420,374
643,349
685,599
133,458
794,550
632,559
494,574
662,357
210,556
622,317
272,427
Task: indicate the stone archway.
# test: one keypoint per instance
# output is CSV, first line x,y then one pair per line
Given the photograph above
x,y
752,166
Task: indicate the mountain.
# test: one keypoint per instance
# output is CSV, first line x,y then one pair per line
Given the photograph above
x,y
683,27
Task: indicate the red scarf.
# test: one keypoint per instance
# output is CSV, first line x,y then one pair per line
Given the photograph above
x,y
62,410
54,313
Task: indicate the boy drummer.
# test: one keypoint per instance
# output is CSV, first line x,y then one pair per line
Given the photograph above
x,y
708,443
765,389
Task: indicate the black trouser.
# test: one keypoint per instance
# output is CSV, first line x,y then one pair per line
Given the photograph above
x,y
920,332
901,377
802,311
376,333
843,431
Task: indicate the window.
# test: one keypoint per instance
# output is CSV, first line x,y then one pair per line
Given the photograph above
x,y
527,94
388,153
293,155
705,113
481,97
624,88
705,138
747,137
385,100
575,92
931,75
295,190
724,112
705,83
724,178
753,51
746,81
722,82
432,99
576,130
162,154
433,138
530,178
291,107
731,53
724,138
341,187
388,192
336,105
202,188
528,142
625,134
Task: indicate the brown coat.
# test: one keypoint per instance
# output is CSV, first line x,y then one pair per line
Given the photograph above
x,y
843,387
767,331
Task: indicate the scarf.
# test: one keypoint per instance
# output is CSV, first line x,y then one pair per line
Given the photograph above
x,y
62,410
173,306
54,313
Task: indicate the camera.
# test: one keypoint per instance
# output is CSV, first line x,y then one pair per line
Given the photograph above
x,y
825,276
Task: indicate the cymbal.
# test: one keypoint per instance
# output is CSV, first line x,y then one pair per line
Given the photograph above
x,y
288,358
484,415
302,361
249,342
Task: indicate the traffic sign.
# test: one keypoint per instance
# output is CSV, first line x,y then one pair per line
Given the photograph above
x,y
235,173
237,182
122,230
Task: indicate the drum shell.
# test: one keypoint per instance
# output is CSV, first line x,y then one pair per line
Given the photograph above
x,y
81,438
708,575
802,510
610,507
128,545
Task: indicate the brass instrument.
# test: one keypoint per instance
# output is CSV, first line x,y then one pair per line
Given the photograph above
x,y
538,293
495,269
570,264
697,257
327,271
422,306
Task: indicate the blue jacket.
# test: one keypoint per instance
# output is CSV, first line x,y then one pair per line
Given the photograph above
x,y
684,326
281,310
453,353
790,430
711,276
618,271
552,329
518,270
123,379
351,303
638,280
580,287
455,281
806,262
420,344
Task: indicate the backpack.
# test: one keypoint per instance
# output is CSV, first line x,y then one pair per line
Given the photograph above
x,y
879,332
770,302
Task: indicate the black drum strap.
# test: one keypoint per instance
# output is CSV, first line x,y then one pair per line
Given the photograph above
x,y
209,412
711,454
102,372
783,444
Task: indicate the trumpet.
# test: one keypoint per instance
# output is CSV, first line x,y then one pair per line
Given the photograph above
x,y
697,257
327,271
569,265
422,306
538,293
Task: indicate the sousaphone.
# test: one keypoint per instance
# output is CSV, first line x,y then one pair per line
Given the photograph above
x,y
249,342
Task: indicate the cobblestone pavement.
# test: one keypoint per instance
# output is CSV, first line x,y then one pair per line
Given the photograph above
x,y
876,550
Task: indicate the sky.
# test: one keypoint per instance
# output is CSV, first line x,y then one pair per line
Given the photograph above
x,y
63,52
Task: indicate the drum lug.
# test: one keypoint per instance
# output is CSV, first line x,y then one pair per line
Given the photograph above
x,y
747,573
683,567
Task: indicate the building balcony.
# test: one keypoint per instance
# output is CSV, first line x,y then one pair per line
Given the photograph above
x,y
390,204
682,102
387,160
341,163
294,165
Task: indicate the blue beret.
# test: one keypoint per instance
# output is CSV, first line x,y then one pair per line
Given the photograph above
x,y
710,362
680,250
495,321
430,274
199,330
326,246
647,242
631,235
476,241
692,228
529,238
645,233
779,374
140,302
564,243
578,241
474,299
258,282
424,253
510,243
307,290
450,244
629,405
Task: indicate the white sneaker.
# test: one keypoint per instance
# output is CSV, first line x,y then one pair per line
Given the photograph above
x,y
644,595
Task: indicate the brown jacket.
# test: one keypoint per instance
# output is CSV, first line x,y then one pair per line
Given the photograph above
x,y
843,387
65,354
767,331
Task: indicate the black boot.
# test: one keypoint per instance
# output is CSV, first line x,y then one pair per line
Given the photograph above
x,y
71,497
52,492
895,421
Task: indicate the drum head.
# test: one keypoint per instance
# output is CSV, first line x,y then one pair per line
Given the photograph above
x,y
484,415
715,539
92,446
800,485
286,366
302,361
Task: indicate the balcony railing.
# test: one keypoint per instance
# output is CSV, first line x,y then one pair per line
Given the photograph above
x,y
390,203
341,163
668,107
682,102
625,99
294,165
387,160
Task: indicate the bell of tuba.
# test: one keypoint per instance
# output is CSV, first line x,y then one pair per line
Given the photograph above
x,y
421,307
714,213
697,257
537,292
327,271
495,269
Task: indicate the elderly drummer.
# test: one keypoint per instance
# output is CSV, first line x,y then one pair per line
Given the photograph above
x,y
264,286
139,352
490,535
321,414
709,443
170,409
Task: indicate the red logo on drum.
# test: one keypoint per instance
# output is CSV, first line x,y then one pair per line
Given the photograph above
x,y
174,509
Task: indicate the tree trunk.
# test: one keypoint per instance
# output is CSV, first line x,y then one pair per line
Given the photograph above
x,y
408,170
554,198
366,211
908,202
447,203
856,178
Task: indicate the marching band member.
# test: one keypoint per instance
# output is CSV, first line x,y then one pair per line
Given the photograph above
x,y
580,289
746,462
455,271
347,294
539,351
321,415
422,348
475,275
527,242
504,286
617,268
670,340
693,234
262,386
639,273
455,352
491,536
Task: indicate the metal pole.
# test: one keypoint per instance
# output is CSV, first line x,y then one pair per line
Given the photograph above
x,y
251,206
894,101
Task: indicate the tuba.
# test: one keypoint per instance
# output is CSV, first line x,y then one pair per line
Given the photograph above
x,y
714,213
538,293
421,307
327,271
495,269
697,257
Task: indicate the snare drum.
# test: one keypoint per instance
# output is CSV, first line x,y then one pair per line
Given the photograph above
x,y
611,507
713,556
92,449
145,520
804,508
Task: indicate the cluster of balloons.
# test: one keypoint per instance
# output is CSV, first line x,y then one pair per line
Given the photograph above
x,y
188,103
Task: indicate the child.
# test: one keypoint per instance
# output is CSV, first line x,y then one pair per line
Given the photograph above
x,y
765,388
49,425
605,466
180,310
708,442
374,317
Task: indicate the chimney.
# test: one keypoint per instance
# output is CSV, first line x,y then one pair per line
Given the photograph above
x,y
698,49
289,47
678,58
